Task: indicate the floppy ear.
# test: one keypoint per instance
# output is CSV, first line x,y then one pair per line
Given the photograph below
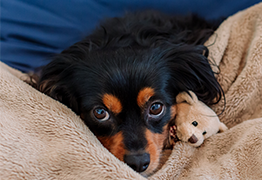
x,y
56,81
190,70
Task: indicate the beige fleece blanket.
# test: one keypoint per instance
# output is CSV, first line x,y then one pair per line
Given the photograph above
x,y
42,139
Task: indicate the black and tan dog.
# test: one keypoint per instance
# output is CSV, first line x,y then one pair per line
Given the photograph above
x,y
123,79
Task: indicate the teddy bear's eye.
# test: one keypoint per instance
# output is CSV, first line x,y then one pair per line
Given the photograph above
x,y
204,132
195,123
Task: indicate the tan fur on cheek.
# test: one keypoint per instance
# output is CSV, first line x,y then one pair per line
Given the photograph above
x,y
154,147
115,145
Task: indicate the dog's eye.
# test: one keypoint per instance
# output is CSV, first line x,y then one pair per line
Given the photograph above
x,y
101,114
156,109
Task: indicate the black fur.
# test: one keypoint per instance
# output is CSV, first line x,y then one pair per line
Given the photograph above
x,y
124,55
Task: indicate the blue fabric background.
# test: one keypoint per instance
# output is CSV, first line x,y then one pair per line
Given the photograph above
x,y
32,31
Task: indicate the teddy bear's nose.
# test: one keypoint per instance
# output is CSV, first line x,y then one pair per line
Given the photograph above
x,y
193,139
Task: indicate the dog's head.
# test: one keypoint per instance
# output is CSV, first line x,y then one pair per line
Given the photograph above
x,y
127,96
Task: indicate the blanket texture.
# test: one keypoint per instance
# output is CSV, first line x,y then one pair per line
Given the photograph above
x,y
41,138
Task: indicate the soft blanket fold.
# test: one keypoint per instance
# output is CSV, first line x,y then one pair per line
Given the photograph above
x,y
42,139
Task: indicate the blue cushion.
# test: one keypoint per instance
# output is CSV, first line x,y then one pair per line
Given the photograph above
x,y
33,31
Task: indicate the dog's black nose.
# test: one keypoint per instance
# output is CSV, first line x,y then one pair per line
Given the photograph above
x,y
138,162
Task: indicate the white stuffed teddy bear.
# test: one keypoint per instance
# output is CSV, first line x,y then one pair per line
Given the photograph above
x,y
194,120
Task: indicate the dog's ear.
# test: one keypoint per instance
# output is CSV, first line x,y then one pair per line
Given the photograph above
x,y
56,81
190,70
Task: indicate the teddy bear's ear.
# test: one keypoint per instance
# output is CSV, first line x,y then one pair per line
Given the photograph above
x,y
187,97
193,96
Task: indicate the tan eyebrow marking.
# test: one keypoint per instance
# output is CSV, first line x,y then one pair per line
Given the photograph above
x,y
112,103
144,95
